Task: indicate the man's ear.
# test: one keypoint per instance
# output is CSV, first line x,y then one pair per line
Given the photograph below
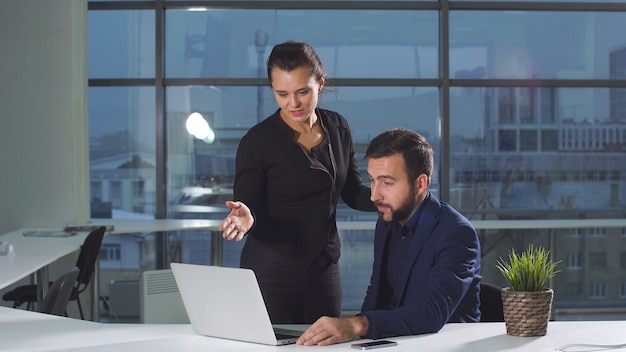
x,y
421,182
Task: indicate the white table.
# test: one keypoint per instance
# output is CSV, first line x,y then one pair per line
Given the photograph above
x,y
157,225
22,330
29,331
32,255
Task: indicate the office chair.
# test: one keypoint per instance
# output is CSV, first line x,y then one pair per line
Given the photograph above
x,y
86,263
491,303
56,299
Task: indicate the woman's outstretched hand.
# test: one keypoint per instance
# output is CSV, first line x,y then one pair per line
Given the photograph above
x,y
238,221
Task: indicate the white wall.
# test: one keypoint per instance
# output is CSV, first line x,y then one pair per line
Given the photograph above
x,y
44,166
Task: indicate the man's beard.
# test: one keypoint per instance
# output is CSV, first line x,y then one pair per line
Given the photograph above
x,y
405,209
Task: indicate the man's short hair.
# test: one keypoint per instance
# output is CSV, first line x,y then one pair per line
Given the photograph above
x,y
414,148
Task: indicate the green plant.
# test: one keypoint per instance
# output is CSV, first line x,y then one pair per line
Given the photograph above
x,y
529,271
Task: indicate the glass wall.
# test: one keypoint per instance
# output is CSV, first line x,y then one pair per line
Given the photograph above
x,y
524,103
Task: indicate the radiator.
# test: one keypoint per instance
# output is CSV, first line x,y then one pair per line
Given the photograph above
x,y
124,298
160,299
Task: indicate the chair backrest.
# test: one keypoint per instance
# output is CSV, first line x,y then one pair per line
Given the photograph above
x,y
58,295
491,303
86,261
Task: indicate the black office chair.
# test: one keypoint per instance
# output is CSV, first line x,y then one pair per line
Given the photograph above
x,y
491,303
56,299
86,263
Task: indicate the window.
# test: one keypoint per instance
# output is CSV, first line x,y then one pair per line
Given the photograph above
x,y
528,141
597,290
574,261
549,140
597,232
597,260
507,141
622,290
529,102
110,252
575,233
622,260
96,190
116,194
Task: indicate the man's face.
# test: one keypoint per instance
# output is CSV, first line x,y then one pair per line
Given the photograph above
x,y
393,194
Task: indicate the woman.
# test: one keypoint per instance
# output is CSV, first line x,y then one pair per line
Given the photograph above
x,y
291,169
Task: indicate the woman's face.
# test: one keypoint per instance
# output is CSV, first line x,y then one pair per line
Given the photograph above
x,y
296,93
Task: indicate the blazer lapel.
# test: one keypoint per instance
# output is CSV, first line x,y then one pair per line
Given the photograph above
x,y
427,222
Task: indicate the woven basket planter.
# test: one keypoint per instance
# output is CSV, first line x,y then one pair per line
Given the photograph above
x,y
527,313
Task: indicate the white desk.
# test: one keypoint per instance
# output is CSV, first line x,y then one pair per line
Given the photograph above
x,y
15,267
32,255
157,225
22,330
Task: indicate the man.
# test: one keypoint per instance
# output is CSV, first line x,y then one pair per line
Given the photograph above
x,y
426,268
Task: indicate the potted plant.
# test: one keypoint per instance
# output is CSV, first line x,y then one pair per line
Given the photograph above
x,y
527,302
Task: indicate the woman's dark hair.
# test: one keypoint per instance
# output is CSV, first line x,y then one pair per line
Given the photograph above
x,y
290,55
415,149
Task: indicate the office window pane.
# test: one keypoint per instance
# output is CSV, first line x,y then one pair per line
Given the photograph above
x,y
536,44
121,44
351,43
541,169
231,111
122,148
516,152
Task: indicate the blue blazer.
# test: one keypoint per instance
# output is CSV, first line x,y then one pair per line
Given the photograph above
x,y
440,282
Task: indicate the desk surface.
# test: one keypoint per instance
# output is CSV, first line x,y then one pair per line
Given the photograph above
x,y
33,253
16,267
23,330
156,225
151,225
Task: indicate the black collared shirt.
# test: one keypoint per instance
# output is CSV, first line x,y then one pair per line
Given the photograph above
x,y
395,256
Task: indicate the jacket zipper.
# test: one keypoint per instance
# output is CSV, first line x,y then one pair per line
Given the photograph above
x,y
333,177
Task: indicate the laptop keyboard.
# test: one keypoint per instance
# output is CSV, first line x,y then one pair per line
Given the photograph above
x,y
280,336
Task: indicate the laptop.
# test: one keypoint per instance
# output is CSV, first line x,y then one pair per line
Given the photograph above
x,y
227,303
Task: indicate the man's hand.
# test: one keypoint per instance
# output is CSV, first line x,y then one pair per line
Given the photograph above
x,y
327,331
